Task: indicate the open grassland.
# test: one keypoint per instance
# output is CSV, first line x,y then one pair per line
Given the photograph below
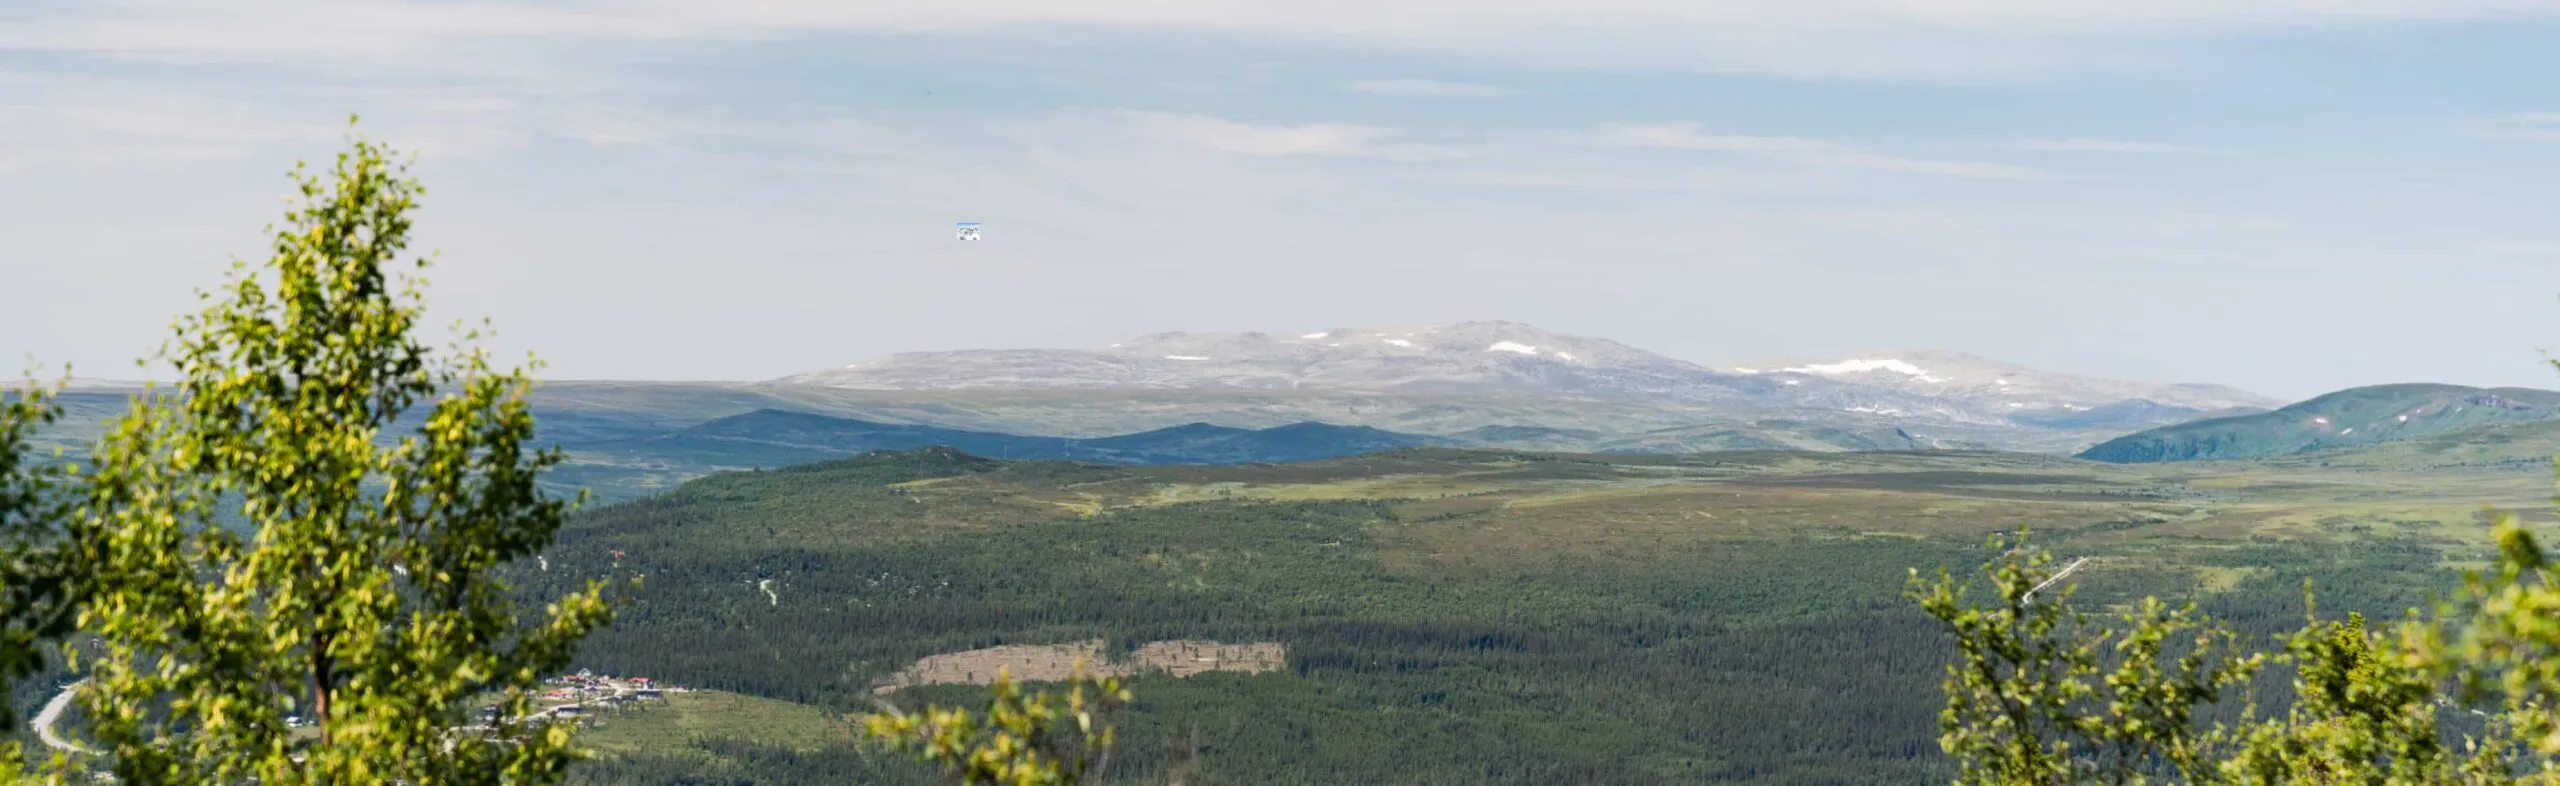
x,y
1498,504
673,723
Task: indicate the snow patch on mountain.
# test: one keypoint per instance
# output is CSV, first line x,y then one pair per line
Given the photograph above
x,y
1509,346
1991,386
1855,366
1864,365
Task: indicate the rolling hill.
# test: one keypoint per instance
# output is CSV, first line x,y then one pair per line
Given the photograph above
x,y
629,439
2356,416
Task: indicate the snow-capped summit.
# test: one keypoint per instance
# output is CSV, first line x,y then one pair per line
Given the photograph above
x,y
1995,385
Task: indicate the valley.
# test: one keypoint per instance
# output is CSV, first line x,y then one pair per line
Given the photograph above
x,y
1717,617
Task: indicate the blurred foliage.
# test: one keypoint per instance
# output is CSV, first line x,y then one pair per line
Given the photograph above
x,y
2461,692
1022,738
35,574
256,545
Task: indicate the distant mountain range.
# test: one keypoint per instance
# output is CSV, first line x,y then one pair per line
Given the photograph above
x,y
1970,400
2356,416
1269,397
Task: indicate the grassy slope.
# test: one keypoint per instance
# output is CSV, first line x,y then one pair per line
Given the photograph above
x,y
1520,618
653,726
2529,445
2356,416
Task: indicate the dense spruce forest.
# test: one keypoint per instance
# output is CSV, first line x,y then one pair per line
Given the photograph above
x,y
1742,656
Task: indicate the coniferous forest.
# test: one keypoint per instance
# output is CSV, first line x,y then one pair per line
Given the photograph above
x,y
1751,656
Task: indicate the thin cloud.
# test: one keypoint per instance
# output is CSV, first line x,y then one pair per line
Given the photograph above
x,y
2522,248
1429,87
2116,146
1688,136
1306,139
1824,38
2521,127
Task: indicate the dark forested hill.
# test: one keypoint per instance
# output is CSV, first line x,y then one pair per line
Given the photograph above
x,y
773,438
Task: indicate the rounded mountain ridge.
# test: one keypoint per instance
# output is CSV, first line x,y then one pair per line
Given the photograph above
x,y
1451,357
1513,358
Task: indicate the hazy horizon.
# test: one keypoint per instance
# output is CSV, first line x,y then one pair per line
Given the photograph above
x,y
2288,198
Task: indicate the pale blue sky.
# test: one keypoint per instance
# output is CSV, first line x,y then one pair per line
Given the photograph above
x,y
2286,195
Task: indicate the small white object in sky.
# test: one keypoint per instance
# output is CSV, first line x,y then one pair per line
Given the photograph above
x,y
2350,430
1506,346
968,230
2404,418
1184,357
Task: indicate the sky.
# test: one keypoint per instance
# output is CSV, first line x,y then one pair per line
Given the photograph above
x,y
2289,196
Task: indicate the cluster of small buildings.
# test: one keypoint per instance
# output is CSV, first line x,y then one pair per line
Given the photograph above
x,y
568,696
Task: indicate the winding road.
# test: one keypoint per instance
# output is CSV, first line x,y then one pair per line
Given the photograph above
x,y
53,709
52,712
2066,571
